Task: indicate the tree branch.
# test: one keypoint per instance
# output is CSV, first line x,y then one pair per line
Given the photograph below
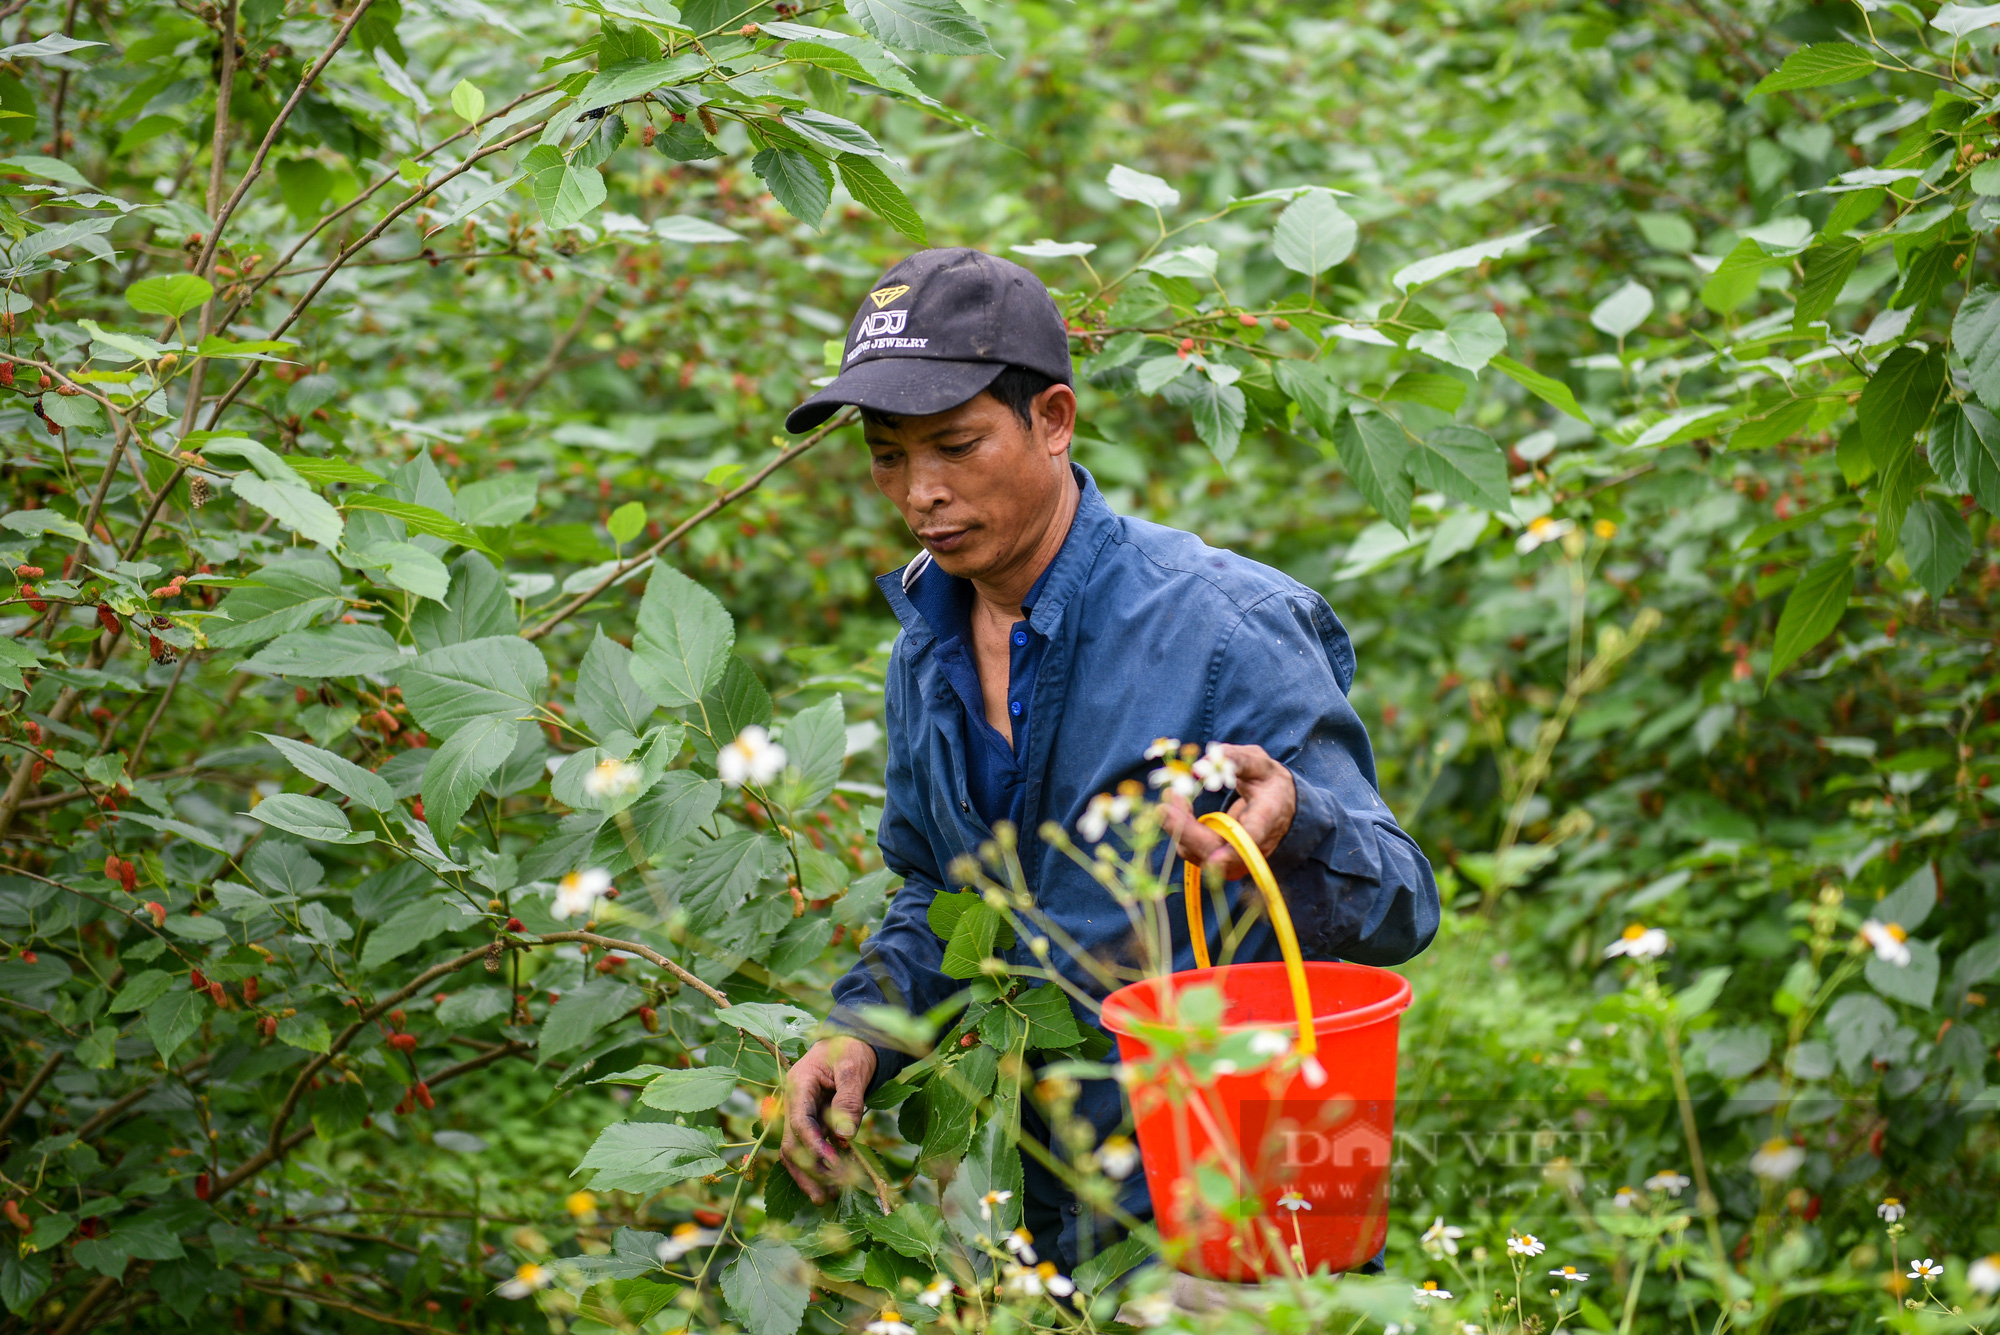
x,y
714,507
28,1092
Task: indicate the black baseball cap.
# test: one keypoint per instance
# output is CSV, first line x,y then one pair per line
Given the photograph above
x,y
937,329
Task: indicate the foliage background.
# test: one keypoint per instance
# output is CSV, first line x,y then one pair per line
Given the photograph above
x,y
1805,508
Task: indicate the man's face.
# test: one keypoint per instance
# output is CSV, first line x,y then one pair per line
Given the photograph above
x,y
975,486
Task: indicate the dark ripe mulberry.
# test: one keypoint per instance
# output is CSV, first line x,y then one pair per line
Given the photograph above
x,y
107,618
162,622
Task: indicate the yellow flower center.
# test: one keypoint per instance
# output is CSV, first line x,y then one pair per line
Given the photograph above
x,y
1896,932
1430,1286
1541,525
1634,932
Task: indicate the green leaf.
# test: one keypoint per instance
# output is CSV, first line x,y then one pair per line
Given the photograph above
x,y
696,1089
1827,268
330,651
172,1020
339,1109
1469,339
1311,385
1975,333
299,509
643,1157
141,991
1621,312
668,814
36,522
1915,983
172,296
23,1281
1051,1022
342,775
291,593
1218,410
1816,66
816,744
627,80
1735,281
800,182
1965,450
457,770
476,607
607,697
322,471
768,1020
449,687
972,940
627,522
409,927
1936,543
869,183
309,818
1897,401
731,705
1774,425
938,27
1546,388
467,102
1811,612
417,518
1699,996
915,1229
1898,483
580,1013
1313,234
1375,451
305,1031
683,640
721,874
1465,257
407,566
1465,464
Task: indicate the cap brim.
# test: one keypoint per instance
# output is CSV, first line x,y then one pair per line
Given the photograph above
x,y
905,386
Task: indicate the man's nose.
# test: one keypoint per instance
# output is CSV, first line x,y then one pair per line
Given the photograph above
x,y
928,488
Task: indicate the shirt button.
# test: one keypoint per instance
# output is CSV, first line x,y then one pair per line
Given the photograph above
x,y
1015,709
1020,637
964,805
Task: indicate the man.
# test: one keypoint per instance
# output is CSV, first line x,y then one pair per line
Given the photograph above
x,y
1046,643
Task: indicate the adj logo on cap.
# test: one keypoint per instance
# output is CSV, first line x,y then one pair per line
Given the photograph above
x,y
883,322
882,296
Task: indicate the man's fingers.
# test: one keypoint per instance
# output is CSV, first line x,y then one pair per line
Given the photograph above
x,y
815,1193
802,1125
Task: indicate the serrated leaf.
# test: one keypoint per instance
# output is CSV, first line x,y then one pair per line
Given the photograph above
x,y
1470,339
1141,188
308,1032
417,518
1546,388
606,695
467,102
172,1020
866,180
297,509
1965,450
1623,311
1897,401
309,818
409,927
1311,385
1465,464
1051,1022
643,1157
1816,66
768,1283
1936,543
1465,257
577,1016
683,640
1313,234
172,296
1827,268
1218,411
338,773
816,745
1811,612
449,687
799,181
407,566
1374,450
330,651
720,875
941,27
1975,333
458,769
696,1089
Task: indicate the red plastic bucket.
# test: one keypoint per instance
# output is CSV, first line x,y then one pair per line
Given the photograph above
x,y
1283,1168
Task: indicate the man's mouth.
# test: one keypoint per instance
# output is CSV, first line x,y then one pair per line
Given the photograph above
x,y
943,539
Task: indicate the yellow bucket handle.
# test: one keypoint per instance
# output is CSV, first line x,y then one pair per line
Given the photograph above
x,y
1246,848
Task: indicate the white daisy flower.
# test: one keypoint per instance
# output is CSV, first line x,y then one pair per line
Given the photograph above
x,y
1021,1243
1777,1160
1891,1209
1441,1239
1541,530
1176,776
1925,1269
1671,1183
1525,1244
1163,746
752,758
1570,1274
1104,811
526,1280
1984,1275
1294,1202
1429,1292
935,1292
579,891
1625,1198
1215,770
889,1322
1117,1156
991,1199
684,1239
1889,940
1058,1285
1640,943
612,778
1271,1043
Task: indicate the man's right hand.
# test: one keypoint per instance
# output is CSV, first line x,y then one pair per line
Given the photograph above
x,y
823,1107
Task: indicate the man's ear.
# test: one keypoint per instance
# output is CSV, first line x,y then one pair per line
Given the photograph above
x,y
1054,414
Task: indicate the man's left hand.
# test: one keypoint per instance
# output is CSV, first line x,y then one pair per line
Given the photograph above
x,y
1266,801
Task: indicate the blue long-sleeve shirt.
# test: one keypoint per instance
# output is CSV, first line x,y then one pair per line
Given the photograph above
x,y
1147,632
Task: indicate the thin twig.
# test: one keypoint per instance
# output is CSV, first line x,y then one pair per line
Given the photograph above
x,y
139,747
567,337
28,1092
576,604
